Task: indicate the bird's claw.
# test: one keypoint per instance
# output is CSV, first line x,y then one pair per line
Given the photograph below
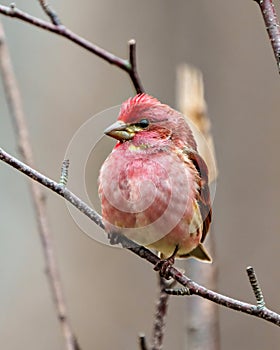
x,y
114,238
164,266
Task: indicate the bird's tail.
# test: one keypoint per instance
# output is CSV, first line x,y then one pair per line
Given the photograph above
x,y
200,253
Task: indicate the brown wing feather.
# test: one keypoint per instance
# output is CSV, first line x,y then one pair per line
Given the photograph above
x,y
204,193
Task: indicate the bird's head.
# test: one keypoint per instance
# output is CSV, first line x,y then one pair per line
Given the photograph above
x,y
143,117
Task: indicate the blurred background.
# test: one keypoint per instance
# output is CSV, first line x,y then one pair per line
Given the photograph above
x,y
62,86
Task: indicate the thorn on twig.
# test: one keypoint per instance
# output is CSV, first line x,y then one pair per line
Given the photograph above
x,y
64,172
178,291
142,342
256,287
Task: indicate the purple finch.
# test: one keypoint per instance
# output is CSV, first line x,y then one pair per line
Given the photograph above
x,y
154,185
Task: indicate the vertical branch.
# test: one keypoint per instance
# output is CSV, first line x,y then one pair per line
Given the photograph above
x,y
202,316
15,106
160,315
133,67
272,26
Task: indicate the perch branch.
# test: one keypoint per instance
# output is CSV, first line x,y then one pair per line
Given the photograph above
x,y
142,252
124,64
15,106
272,26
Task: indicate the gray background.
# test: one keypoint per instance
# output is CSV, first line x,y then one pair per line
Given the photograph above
x,y
110,292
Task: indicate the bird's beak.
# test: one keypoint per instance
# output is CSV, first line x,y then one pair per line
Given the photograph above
x,y
120,131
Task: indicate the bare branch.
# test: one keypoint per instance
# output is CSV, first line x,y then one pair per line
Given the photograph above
x,y
15,105
133,73
142,252
272,26
50,12
63,31
161,312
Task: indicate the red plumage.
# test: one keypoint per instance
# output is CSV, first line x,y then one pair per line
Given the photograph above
x,y
154,185
141,101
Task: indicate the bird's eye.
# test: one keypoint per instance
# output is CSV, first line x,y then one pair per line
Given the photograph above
x,y
143,123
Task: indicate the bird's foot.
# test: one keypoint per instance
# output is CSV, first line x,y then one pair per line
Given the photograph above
x,y
114,238
164,266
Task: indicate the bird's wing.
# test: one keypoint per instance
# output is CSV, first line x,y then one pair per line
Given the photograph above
x,y
203,192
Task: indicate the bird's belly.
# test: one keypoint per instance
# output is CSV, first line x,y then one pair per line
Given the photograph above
x,y
186,235
161,232
152,203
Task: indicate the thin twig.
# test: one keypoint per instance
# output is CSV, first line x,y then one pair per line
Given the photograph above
x,y
256,287
142,252
15,105
160,315
50,12
63,31
133,72
64,172
272,26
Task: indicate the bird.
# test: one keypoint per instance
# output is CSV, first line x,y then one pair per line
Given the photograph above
x,y
153,186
